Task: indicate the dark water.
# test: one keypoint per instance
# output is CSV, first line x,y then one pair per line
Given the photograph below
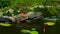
x,y
16,30
9,30
38,24
53,29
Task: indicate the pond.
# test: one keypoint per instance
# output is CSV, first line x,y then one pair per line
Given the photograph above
x,y
38,25
6,29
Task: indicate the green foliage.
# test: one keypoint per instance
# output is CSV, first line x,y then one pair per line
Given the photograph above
x,y
44,10
4,14
26,3
28,9
4,3
15,12
9,14
1,14
41,9
37,9
58,9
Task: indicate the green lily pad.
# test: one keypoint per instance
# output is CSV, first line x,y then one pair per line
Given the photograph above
x,y
49,23
33,29
34,32
5,24
28,31
25,31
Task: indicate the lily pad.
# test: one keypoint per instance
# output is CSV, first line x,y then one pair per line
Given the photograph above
x,y
25,31
49,23
34,32
33,29
5,24
28,31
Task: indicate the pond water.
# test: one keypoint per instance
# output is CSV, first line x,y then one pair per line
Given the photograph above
x,y
28,26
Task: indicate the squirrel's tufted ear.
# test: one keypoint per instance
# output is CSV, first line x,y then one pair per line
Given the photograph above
x,y
22,11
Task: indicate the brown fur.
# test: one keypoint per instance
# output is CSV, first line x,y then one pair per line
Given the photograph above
x,y
23,15
23,11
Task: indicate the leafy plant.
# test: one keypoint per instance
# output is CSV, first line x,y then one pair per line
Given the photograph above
x,y
15,12
4,14
4,3
9,14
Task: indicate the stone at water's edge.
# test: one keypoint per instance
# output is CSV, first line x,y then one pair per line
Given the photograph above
x,y
34,14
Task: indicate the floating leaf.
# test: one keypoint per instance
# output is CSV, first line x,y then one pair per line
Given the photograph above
x,y
33,29
50,23
5,24
25,31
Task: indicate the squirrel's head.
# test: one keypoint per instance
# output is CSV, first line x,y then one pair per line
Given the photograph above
x,y
23,11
